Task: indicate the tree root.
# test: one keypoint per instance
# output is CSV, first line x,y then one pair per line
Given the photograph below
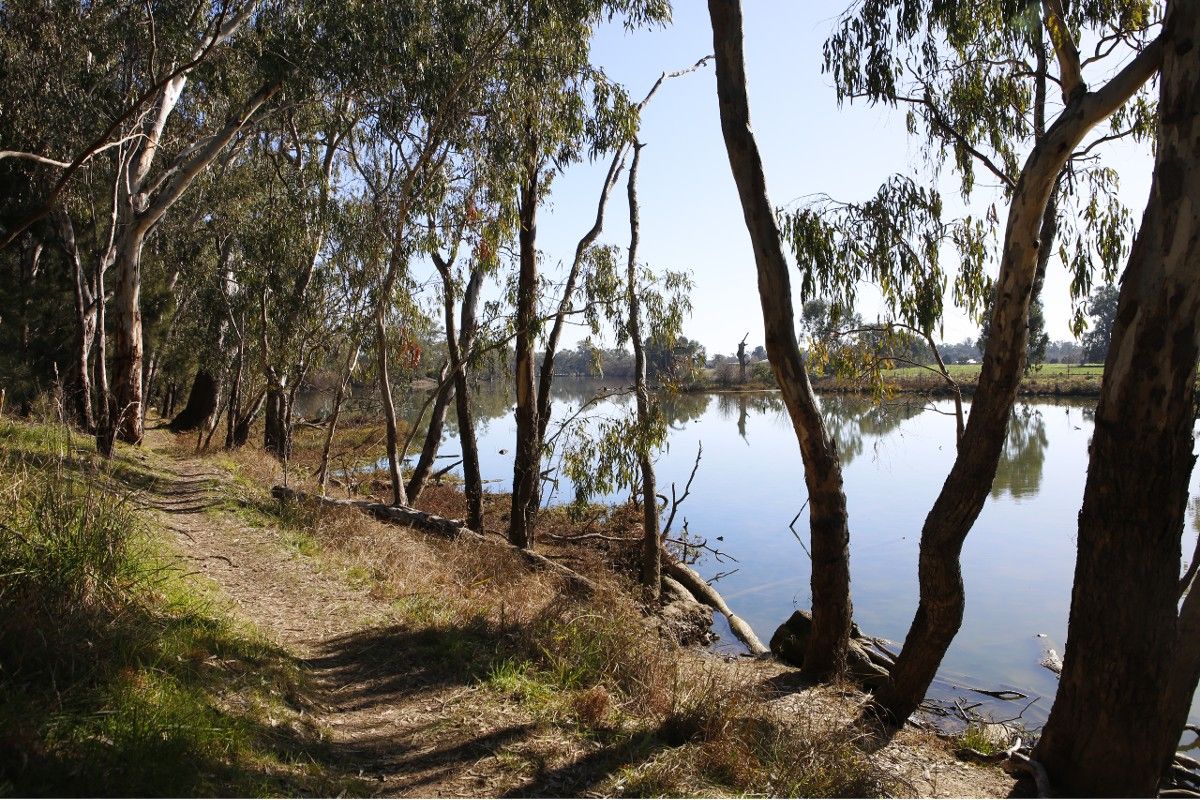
x,y
1020,762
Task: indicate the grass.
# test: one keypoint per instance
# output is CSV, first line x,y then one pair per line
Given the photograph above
x,y
595,677
118,674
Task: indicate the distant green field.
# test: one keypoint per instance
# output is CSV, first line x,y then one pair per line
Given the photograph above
x,y
970,372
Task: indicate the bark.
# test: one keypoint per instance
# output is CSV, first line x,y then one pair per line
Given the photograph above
x,y
235,387
527,456
85,323
200,406
829,524
277,433
347,371
241,431
433,435
389,407
1113,729
651,572
460,339
105,434
942,600
460,355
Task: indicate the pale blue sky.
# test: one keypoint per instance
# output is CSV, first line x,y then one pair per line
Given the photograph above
x,y
691,217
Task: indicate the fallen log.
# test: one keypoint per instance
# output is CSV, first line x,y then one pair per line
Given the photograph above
x,y
709,596
441,526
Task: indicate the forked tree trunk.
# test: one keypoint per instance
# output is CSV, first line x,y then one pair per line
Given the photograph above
x,y
347,370
527,455
1113,729
831,607
433,435
651,572
942,599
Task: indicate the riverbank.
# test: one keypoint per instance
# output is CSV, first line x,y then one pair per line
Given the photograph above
x,y
341,655
1043,380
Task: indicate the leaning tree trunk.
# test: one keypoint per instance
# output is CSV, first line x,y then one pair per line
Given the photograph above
x,y
1112,730
527,454
942,599
831,607
651,572
433,435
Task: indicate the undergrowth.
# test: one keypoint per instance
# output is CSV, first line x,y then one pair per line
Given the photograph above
x,y
667,721
117,675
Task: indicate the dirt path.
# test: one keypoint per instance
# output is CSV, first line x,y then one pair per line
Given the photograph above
x,y
384,716
391,703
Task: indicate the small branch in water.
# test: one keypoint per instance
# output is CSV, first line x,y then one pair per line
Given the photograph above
x,y
792,524
687,489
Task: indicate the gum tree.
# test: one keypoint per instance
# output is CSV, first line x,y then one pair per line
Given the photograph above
x,y
968,64
1132,657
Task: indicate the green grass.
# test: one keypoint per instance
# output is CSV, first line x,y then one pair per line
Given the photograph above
x,y
970,372
119,674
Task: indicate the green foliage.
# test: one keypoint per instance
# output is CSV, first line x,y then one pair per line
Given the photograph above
x,y
894,241
1102,308
976,78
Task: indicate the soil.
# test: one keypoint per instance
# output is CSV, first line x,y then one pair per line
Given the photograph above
x,y
385,713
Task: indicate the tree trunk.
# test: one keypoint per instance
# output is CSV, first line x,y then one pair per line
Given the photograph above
x,y
347,371
105,433
235,391
1113,729
460,353
527,456
942,600
241,431
85,323
830,532
201,404
433,435
126,387
651,572
276,432
389,409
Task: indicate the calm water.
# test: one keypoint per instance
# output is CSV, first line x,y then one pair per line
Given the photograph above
x,y
1017,562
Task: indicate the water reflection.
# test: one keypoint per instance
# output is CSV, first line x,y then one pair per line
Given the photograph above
x,y
1018,563
1019,473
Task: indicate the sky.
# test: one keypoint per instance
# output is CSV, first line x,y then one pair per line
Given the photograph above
x,y
690,214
